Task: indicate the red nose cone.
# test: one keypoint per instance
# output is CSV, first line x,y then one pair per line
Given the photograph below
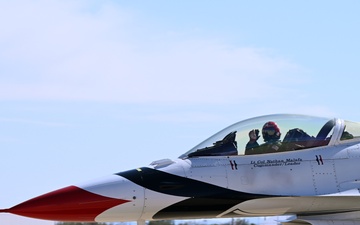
x,y
66,204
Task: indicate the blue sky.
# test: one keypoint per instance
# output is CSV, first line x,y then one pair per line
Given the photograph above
x,y
90,88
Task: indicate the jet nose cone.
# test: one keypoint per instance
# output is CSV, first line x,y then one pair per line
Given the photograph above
x,y
67,204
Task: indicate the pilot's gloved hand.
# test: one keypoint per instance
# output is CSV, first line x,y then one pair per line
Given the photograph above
x,y
254,135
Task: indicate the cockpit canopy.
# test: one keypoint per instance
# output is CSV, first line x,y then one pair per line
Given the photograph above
x,y
276,133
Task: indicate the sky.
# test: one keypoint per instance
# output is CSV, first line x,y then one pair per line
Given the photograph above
x,y
90,88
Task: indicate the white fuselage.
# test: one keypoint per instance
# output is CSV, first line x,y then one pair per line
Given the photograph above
x,y
287,183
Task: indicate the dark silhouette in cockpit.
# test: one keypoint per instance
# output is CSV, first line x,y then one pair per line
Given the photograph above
x,y
346,136
252,145
296,139
226,146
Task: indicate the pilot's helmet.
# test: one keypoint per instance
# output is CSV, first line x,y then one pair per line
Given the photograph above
x,y
271,131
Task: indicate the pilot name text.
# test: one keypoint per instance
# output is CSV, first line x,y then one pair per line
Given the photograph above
x,y
277,162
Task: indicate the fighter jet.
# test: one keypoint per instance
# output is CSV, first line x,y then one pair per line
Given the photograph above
x,y
302,167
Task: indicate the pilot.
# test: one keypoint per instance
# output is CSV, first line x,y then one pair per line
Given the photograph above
x,y
251,146
271,135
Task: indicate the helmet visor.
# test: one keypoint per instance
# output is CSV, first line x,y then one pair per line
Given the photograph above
x,y
269,131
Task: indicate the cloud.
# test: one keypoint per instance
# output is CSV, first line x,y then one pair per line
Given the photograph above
x,y
65,50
